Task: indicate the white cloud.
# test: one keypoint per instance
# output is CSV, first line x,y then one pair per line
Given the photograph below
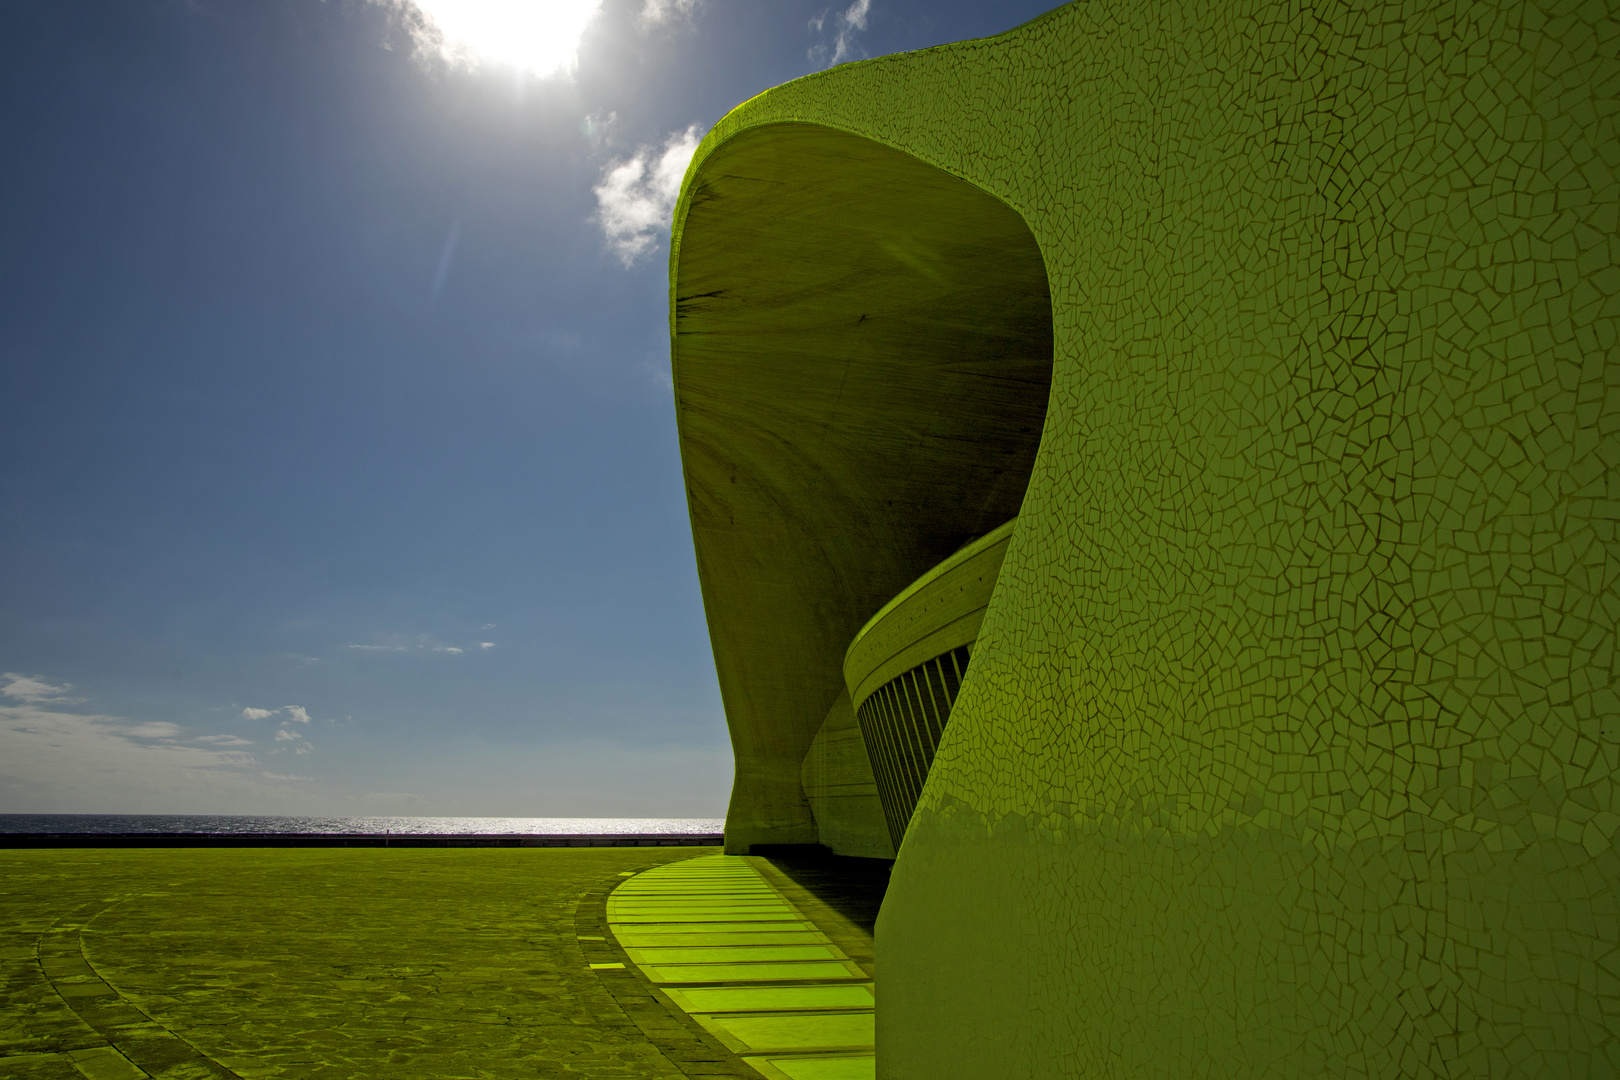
x,y
299,746
486,644
530,35
160,729
659,11
31,688
386,643
636,198
282,776
296,714
598,128
222,740
846,24
57,758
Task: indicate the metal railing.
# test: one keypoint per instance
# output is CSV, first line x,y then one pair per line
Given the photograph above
x,y
902,723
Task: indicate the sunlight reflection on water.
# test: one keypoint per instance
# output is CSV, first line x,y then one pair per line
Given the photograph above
x,y
253,824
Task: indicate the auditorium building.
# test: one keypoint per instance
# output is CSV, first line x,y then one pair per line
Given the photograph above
x,y
1155,475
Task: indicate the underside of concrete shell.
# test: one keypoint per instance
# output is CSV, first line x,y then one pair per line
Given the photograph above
x,y
862,360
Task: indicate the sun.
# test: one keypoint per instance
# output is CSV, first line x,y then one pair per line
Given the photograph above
x,y
539,36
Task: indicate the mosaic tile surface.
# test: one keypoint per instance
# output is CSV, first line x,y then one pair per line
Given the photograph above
x,y
1290,741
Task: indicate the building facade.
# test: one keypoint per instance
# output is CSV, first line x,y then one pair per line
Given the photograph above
x,y
1156,473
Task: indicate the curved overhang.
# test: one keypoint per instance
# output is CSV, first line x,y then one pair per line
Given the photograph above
x,y
938,612
862,356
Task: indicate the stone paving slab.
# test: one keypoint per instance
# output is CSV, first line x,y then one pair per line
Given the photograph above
x,y
819,1067
731,952
721,999
631,939
783,1012
794,1031
756,972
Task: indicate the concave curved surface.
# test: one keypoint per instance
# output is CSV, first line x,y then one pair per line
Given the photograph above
x,y
862,358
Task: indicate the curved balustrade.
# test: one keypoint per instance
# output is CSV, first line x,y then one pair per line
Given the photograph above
x,y
906,665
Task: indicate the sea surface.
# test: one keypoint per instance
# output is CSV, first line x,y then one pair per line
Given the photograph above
x,y
248,824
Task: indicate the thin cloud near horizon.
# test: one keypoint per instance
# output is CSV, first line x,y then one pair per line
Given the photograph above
x,y
52,753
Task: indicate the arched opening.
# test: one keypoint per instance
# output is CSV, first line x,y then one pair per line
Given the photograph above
x,y
862,359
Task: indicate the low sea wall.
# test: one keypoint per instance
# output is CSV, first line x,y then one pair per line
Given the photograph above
x,y
169,840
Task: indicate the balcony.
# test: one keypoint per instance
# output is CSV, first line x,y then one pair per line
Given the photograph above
x,y
906,665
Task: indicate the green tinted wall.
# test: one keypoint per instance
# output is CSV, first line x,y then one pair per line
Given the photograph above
x,y
1290,740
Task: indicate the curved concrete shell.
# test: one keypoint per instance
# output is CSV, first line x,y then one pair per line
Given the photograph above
x,y
862,359
1289,739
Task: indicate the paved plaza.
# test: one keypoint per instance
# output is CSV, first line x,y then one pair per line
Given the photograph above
x,y
329,963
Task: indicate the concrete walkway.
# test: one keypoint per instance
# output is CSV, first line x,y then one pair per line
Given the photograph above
x,y
724,944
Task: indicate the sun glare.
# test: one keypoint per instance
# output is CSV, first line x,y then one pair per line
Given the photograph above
x,y
540,36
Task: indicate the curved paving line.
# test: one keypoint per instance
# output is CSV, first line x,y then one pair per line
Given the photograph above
x,y
137,1045
690,1050
724,943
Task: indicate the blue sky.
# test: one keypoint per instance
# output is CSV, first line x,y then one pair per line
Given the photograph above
x,y
338,469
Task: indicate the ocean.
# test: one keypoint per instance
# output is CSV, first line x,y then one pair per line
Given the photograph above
x,y
270,825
